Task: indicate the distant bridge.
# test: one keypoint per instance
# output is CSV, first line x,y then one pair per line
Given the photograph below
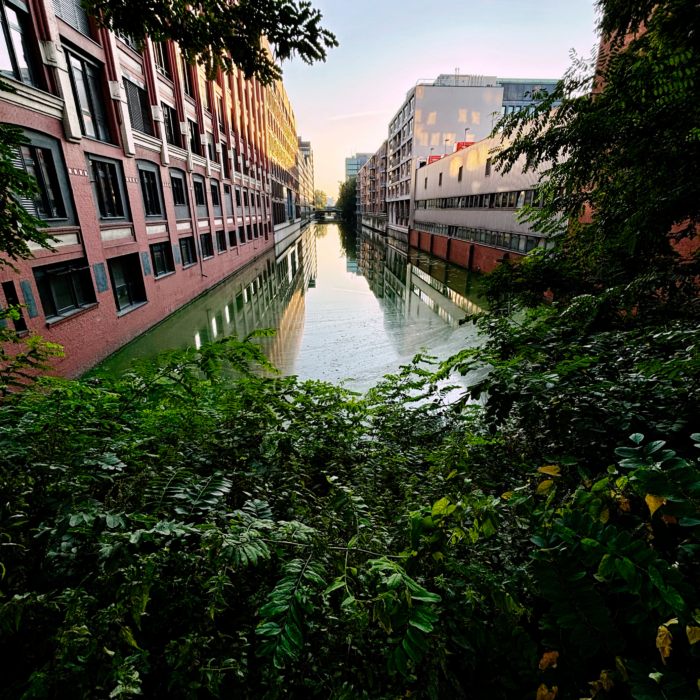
x,y
328,215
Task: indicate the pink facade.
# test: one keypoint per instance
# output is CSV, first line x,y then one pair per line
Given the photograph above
x,y
156,182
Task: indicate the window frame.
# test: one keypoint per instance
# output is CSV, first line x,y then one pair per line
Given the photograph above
x,y
26,39
215,190
166,251
182,211
193,139
221,236
206,245
43,277
144,104
171,124
134,282
161,59
94,95
146,168
187,244
201,209
121,186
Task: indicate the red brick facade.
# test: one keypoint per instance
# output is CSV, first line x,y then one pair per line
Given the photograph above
x,y
228,155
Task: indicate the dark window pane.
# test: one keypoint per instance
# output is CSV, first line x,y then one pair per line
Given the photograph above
x,y
178,191
150,191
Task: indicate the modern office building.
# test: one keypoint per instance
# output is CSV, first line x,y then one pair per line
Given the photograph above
x,y
465,212
354,164
439,116
155,182
371,191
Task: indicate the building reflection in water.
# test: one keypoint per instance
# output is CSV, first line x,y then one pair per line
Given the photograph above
x,y
268,293
345,303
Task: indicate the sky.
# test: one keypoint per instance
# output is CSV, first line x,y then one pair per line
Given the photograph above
x,y
344,105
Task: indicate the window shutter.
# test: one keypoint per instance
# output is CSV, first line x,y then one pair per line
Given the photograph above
x,y
72,12
137,101
28,204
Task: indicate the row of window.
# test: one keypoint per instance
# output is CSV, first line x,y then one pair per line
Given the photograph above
x,y
492,200
67,287
42,159
517,242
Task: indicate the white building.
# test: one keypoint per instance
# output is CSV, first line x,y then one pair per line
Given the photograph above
x,y
436,116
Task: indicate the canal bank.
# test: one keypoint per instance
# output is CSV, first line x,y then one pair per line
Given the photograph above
x,y
347,305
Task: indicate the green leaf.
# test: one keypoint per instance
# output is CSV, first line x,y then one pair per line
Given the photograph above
x,y
412,651
338,583
401,661
440,508
417,639
672,597
394,581
426,596
625,568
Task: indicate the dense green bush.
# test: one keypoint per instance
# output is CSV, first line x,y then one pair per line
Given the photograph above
x,y
175,535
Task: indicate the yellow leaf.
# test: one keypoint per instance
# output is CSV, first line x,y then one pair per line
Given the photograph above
x,y
507,495
693,634
451,653
672,621
605,515
545,487
663,643
129,637
620,666
544,693
551,471
451,474
654,502
549,660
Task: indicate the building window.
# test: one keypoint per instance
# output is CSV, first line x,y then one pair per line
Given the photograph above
x,y
488,168
85,78
204,89
194,136
12,299
150,189
39,163
206,245
187,251
232,238
129,41
139,107
220,115
425,186
64,287
210,148
239,208
162,258
200,196
249,231
440,180
127,281
241,235
160,51
459,173
179,189
72,12
224,161
221,241
16,55
215,197
228,200
245,203
186,77
172,135
108,187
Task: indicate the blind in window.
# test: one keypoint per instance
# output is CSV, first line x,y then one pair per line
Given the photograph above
x,y
28,204
137,100
72,12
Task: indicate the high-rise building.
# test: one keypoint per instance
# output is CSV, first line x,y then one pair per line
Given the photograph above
x,y
354,164
437,117
371,190
155,181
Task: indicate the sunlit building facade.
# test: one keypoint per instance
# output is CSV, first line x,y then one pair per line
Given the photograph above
x,y
440,116
155,181
465,212
371,190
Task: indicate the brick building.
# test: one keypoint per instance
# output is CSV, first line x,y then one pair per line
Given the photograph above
x,y
371,191
156,182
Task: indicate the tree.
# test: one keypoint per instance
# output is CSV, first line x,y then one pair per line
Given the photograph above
x,y
221,35
347,193
620,188
320,199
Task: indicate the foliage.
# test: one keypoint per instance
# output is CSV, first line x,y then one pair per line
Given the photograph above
x,y
224,35
320,199
182,533
17,225
347,195
620,169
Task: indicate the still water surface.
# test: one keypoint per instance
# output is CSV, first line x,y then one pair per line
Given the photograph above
x,y
347,305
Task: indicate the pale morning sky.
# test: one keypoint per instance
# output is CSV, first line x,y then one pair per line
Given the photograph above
x,y
345,104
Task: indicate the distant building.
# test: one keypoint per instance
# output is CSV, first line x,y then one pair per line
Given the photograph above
x,y
355,163
465,212
330,201
439,116
371,191
305,160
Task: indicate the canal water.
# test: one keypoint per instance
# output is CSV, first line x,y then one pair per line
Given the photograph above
x,y
348,305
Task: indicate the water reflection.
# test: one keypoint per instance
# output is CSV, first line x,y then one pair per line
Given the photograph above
x,y
347,305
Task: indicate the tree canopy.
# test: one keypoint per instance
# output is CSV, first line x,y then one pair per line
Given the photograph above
x,y
347,196
221,35
320,199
